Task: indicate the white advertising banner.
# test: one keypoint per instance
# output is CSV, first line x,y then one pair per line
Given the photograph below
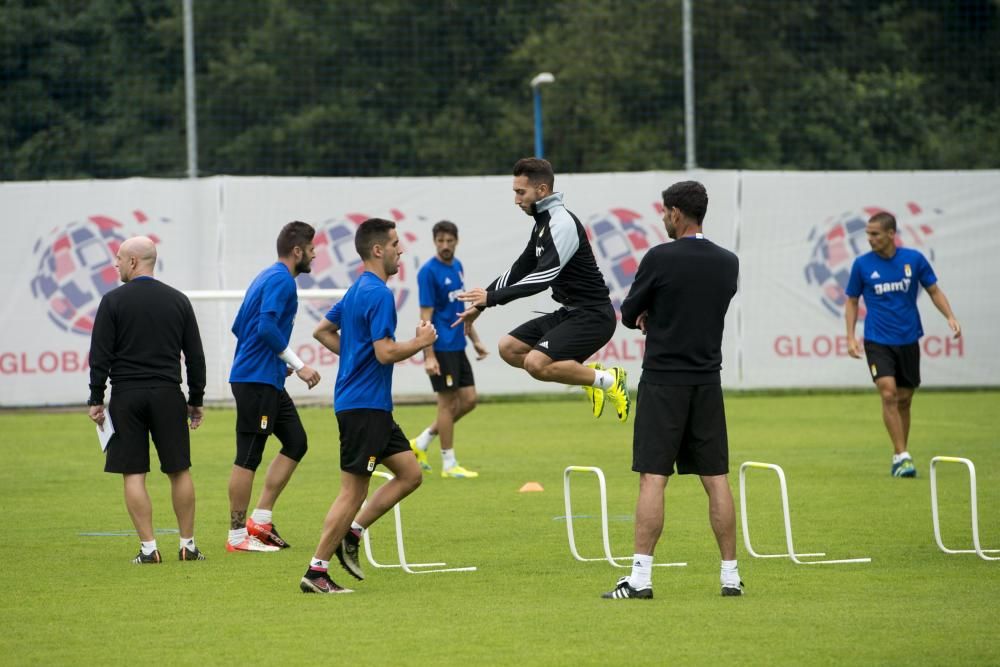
x,y
795,233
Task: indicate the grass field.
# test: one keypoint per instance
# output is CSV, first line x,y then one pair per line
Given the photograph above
x,y
75,599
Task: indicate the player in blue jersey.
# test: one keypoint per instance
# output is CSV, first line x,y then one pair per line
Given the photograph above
x,y
889,279
441,279
361,328
263,359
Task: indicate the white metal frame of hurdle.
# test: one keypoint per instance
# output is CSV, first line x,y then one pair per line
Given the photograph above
x,y
795,557
410,568
973,502
604,520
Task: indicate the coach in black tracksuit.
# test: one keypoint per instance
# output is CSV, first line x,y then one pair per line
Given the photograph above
x,y
679,300
140,331
558,255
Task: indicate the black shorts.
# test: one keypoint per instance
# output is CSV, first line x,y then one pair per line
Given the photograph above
x,y
569,333
897,361
367,437
137,414
456,372
262,409
682,424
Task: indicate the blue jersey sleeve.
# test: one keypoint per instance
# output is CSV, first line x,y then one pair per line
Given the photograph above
x,y
425,282
382,316
925,274
855,284
334,313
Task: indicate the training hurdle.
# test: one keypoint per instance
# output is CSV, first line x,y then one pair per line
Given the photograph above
x,y
410,568
604,520
978,550
796,558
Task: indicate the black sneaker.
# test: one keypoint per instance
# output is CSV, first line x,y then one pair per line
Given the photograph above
x,y
143,559
190,554
623,590
732,591
320,582
347,554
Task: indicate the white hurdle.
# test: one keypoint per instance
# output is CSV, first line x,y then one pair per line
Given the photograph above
x,y
796,558
604,520
978,550
406,567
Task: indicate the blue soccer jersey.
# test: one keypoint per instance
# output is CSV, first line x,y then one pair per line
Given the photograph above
x,y
890,288
367,313
271,301
440,285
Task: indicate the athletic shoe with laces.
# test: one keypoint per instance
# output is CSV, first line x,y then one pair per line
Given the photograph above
x,y
251,544
266,533
320,583
904,468
421,456
595,395
147,559
190,554
347,554
618,393
623,590
458,472
729,590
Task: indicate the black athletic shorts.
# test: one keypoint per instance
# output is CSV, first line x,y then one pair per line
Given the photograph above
x,y
137,414
367,437
569,333
899,361
263,409
685,425
456,371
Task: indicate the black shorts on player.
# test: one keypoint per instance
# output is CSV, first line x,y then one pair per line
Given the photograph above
x,y
138,413
367,437
897,361
682,424
261,410
456,372
569,333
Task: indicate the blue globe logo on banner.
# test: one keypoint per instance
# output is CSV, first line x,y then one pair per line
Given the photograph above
x,y
620,240
836,243
337,264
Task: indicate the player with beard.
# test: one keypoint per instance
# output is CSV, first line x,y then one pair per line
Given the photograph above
x,y
263,360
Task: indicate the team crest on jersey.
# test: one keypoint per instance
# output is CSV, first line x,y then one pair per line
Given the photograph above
x,y
907,271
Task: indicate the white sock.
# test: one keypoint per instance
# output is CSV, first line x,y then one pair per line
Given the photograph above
x,y
730,575
317,564
148,547
603,379
448,458
357,528
261,516
642,571
425,439
896,458
188,543
237,536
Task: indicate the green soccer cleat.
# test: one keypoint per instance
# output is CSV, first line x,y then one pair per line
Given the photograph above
x,y
618,393
421,455
595,395
904,468
458,472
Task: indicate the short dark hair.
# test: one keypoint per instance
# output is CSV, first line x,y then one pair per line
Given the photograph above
x,y
372,232
886,220
536,169
444,227
294,235
690,197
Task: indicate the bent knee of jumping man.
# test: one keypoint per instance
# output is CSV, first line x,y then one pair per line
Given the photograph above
x,y
537,364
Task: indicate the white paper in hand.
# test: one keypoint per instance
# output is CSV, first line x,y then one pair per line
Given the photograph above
x,y
104,433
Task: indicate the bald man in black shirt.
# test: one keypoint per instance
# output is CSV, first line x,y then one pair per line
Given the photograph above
x,y
140,331
679,300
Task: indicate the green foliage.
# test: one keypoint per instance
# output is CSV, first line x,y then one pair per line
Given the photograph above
x,y
75,599
94,88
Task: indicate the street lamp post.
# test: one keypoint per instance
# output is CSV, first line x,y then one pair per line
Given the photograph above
x,y
536,83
